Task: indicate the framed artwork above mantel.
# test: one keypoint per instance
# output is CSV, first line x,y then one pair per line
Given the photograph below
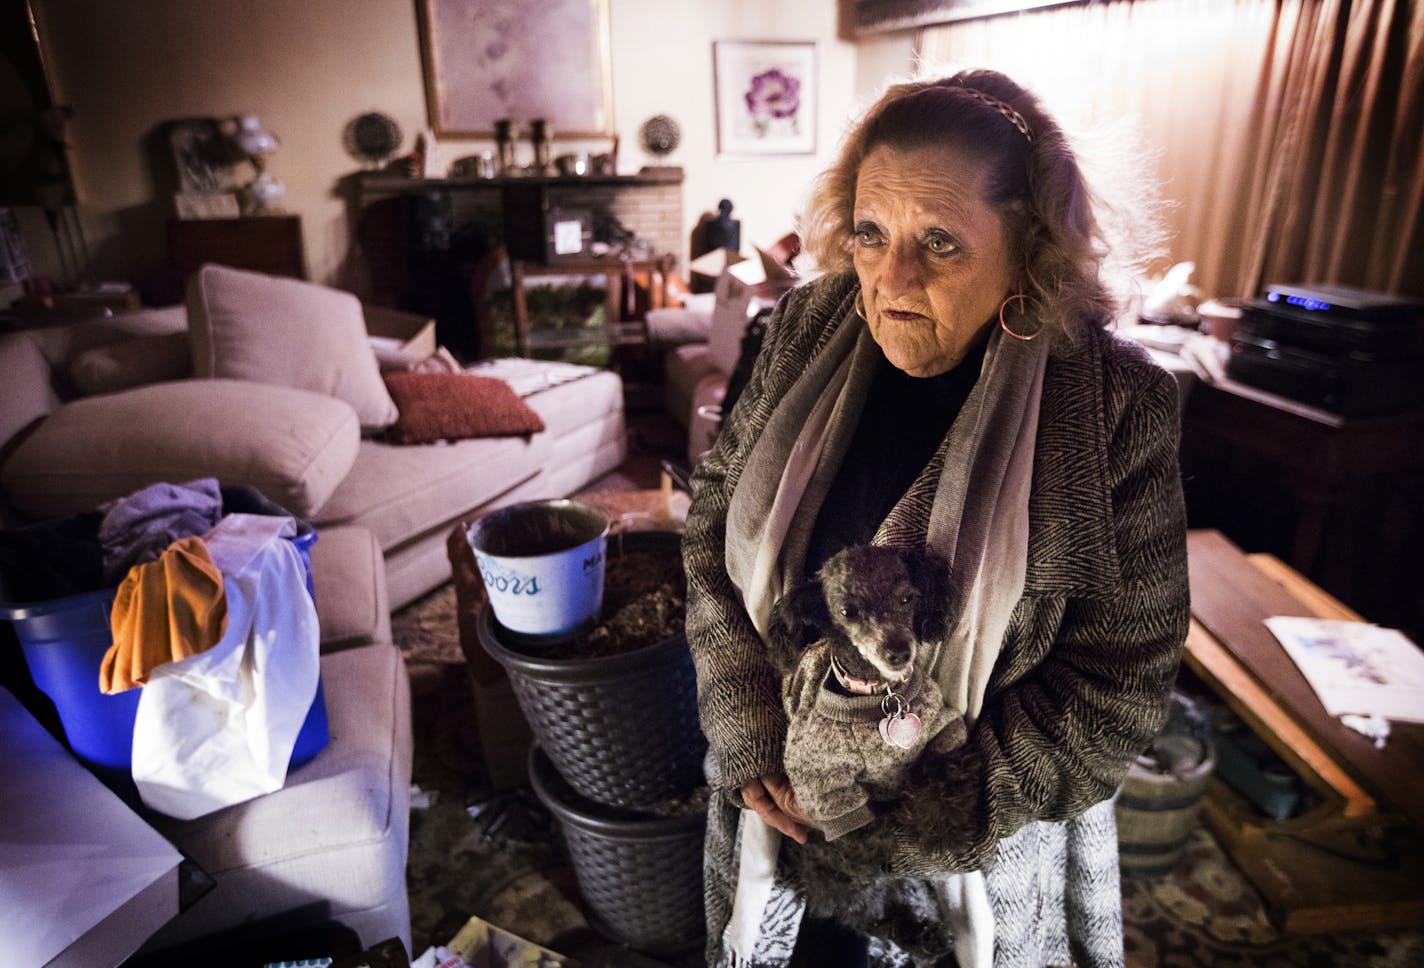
x,y
494,59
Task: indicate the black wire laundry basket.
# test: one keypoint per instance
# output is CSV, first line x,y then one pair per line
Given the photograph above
x,y
640,874
621,729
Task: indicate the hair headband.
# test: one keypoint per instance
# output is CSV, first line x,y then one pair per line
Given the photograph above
x,y
1008,112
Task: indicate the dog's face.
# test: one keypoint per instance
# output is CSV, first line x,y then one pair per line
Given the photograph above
x,y
873,596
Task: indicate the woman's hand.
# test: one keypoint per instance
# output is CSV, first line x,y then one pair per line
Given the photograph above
x,y
775,802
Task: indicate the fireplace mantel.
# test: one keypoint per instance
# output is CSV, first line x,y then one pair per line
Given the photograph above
x,y
414,232
382,183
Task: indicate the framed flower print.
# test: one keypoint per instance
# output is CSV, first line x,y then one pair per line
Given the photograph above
x,y
766,97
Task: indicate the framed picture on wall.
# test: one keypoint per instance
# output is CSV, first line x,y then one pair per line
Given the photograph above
x,y
517,60
766,97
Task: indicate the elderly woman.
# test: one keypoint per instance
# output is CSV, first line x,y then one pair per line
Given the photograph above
x,y
949,384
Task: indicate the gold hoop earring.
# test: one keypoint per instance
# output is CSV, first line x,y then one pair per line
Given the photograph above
x,y
1020,315
859,305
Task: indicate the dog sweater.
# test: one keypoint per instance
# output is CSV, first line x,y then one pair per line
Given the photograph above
x,y
835,757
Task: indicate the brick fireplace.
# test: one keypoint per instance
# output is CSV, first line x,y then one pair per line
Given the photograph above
x,y
430,243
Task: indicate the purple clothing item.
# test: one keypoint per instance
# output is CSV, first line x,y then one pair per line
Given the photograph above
x,y
138,528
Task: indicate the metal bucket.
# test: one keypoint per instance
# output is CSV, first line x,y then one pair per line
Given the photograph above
x,y
542,564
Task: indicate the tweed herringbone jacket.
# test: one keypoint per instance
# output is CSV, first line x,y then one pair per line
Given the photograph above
x,y
1092,646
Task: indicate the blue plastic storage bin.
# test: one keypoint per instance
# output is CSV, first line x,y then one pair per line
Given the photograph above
x,y
64,641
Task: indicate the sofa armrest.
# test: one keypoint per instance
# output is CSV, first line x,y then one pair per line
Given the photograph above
x,y
293,445
349,579
28,393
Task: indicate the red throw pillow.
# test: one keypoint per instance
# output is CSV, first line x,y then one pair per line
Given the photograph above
x,y
453,406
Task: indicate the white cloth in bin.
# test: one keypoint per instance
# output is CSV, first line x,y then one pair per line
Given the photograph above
x,y
218,728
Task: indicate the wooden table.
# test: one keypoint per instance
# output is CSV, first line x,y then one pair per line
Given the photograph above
x,y
620,328
1354,861
261,243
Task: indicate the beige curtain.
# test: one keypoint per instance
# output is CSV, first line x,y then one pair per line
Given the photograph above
x,y
1285,134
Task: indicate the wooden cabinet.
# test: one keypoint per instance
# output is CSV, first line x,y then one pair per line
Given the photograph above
x,y
262,243
1337,499
435,245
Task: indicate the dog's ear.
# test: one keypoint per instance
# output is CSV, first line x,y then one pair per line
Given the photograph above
x,y
803,606
930,574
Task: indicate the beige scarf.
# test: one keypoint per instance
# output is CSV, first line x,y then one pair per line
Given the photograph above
x,y
978,519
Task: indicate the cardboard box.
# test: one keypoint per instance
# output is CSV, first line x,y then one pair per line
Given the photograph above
x,y
485,946
398,338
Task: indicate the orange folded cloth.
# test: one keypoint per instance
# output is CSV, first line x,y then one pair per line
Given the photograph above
x,y
165,610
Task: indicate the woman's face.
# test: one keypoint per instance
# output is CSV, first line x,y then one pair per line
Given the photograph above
x,y
932,256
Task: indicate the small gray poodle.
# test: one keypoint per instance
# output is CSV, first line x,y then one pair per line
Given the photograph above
x,y
853,647
860,704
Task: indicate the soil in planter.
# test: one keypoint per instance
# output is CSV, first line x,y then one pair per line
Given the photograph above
x,y
644,603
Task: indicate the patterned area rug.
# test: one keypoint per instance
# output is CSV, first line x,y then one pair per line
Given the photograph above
x,y
503,864
1206,913
476,850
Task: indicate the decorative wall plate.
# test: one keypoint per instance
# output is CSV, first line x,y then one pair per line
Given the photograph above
x,y
659,135
372,138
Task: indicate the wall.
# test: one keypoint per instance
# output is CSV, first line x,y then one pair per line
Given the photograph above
x,y
662,63
304,68
880,58
307,68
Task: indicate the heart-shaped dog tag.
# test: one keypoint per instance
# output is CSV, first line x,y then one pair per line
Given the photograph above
x,y
900,731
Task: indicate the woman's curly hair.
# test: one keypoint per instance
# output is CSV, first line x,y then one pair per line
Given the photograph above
x,y
1036,185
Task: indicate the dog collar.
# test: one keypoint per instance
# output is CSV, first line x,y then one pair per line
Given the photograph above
x,y
852,685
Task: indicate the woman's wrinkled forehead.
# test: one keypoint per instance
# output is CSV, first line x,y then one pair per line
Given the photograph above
x,y
933,180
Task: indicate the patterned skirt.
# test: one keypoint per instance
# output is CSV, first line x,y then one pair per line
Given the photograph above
x,y
1053,887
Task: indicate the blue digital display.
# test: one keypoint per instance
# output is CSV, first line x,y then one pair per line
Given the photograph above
x,y
1302,302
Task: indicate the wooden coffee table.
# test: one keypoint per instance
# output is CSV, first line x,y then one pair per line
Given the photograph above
x,y
1353,862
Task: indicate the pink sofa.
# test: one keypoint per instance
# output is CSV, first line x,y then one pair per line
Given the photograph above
x,y
701,340
96,410
63,451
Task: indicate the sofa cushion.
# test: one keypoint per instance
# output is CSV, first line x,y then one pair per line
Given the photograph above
x,y
250,326
733,308
337,831
684,370
689,323
401,491
60,344
349,587
455,406
131,363
568,406
293,446
26,392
